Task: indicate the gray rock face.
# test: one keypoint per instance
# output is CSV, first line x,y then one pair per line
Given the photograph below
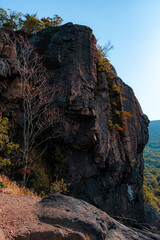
x,y
105,164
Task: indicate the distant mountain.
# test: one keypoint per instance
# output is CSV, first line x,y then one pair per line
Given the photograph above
x,y
152,165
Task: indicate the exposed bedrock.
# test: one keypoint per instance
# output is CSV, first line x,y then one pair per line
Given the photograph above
x,y
105,161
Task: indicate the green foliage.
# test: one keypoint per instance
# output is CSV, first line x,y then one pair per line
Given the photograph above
x,y
103,62
3,184
59,187
46,179
52,22
39,181
32,24
60,162
11,19
152,166
7,148
149,197
29,22
118,116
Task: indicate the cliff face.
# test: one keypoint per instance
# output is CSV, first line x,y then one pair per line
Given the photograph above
x,y
105,161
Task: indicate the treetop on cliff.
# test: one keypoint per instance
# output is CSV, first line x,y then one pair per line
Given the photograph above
x,y
29,22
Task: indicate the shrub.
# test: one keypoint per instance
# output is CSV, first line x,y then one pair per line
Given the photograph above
x,y
29,22
39,181
8,149
11,187
59,186
60,162
103,62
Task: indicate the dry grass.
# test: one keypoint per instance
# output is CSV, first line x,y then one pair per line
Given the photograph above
x,y
11,187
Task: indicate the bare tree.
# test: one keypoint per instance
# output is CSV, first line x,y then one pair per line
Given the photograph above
x,y
37,98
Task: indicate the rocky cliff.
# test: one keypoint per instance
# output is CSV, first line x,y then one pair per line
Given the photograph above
x,y
104,144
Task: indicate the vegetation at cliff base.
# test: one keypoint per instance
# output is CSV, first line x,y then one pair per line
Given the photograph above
x,y
11,187
151,187
8,149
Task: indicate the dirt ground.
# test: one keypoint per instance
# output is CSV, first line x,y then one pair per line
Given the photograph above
x,y
16,212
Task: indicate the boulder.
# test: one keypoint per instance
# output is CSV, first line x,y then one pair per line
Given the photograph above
x,y
42,231
63,217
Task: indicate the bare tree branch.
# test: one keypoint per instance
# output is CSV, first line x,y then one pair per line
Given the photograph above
x,y
37,97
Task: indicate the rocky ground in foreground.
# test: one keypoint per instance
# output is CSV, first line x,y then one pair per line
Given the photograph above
x,y
61,217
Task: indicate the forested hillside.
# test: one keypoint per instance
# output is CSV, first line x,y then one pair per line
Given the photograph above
x,y
152,165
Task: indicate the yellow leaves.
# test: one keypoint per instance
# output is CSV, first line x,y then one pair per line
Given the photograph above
x,y
4,162
59,186
126,114
116,88
12,188
87,237
104,65
103,62
113,103
6,146
20,84
115,126
110,123
118,116
117,112
12,147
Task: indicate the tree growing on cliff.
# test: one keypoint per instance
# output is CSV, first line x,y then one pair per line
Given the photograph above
x,y
37,100
7,147
29,22
11,19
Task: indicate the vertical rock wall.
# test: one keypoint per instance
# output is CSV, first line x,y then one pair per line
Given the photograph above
x,y
105,161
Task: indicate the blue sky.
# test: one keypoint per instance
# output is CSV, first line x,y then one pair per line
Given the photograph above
x,y
132,26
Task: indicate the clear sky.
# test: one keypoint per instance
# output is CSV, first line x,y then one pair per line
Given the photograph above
x,y
132,26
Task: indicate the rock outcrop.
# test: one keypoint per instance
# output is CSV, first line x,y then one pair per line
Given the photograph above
x,y
60,217
105,160
105,164
81,216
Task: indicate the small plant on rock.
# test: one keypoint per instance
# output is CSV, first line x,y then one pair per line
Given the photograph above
x,y
87,237
59,186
